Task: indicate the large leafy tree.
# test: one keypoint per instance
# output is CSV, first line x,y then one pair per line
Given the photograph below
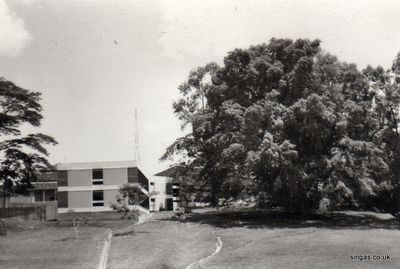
x,y
291,126
22,156
386,85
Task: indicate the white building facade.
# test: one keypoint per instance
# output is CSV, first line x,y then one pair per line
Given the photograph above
x,y
164,195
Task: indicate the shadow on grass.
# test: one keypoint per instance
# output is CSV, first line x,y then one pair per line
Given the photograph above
x,y
89,223
72,238
166,266
131,233
254,219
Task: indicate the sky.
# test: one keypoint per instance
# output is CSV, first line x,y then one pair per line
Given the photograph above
x,y
96,61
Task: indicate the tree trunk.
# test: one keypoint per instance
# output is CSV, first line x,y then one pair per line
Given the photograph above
x,y
214,198
4,197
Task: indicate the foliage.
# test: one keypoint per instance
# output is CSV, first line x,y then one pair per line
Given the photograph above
x,y
180,214
22,156
3,228
129,198
292,126
386,86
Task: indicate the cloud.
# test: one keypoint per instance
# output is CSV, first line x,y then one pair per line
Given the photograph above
x,y
13,35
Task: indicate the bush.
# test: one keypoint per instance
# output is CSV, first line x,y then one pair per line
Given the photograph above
x,y
3,228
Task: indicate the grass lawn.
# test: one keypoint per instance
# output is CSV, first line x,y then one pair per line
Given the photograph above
x,y
161,244
305,248
38,245
251,239
273,241
254,240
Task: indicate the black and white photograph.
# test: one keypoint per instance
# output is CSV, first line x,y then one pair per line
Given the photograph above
x,y
189,134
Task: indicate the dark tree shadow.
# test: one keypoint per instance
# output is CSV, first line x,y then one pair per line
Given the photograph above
x,y
254,219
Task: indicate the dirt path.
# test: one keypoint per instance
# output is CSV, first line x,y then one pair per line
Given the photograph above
x,y
218,244
102,264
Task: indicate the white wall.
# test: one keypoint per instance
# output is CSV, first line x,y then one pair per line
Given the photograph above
x,y
161,195
79,199
115,176
79,178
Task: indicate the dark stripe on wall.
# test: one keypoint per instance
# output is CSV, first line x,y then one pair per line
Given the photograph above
x,y
62,178
62,199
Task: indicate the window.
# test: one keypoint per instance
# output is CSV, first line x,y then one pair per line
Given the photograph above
x,y
98,198
169,188
153,200
97,176
169,204
152,186
175,191
62,199
97,173
38,195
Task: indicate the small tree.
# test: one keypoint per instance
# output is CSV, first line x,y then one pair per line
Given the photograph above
x,y
77,222
3,228
128,201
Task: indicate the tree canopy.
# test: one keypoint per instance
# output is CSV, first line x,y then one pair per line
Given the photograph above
x,y
22,156
292,126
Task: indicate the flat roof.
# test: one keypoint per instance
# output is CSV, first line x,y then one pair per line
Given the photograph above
x,y
95,165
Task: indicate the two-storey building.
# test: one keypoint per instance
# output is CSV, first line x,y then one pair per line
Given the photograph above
x,y
93,186
164,194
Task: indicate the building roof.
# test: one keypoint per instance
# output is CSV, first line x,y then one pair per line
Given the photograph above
x,y
95,165
166,173
169,172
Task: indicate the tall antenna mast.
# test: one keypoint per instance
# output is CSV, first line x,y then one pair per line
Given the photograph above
x,y
137,151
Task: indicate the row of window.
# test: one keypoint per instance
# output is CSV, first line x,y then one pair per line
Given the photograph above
x,y
97,198
169,188
98,176
44,195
